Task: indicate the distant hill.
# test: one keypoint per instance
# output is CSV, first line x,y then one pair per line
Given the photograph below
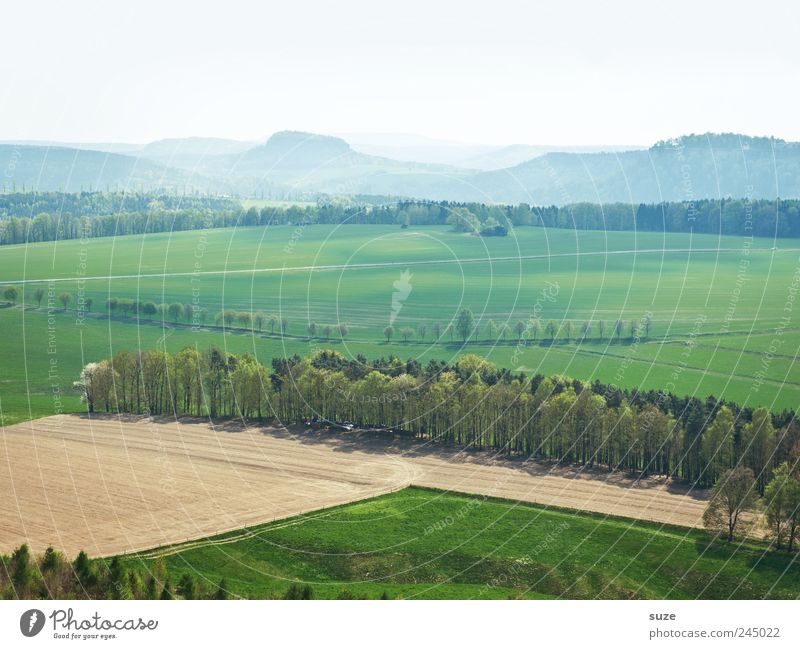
x,y
108,147
417,148
322,163
296,164
195,146
683,169
480,157
290,155
178,146
510,156
189,152
70,170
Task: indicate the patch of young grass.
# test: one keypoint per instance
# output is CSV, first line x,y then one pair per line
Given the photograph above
x,y
424,543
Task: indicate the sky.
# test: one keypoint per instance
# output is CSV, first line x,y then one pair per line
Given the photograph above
x,y
491,72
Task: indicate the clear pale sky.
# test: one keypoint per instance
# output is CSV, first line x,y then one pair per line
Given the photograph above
x,y
495,72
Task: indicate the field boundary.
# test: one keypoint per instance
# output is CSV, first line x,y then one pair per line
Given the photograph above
x,y
680,532
136,486
393,264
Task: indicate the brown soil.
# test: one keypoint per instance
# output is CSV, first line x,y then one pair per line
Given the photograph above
x,y
109,485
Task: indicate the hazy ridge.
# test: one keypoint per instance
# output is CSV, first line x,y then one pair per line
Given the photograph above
x,y
296,164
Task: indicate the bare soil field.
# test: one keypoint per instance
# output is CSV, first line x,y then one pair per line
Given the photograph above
x,y
110,485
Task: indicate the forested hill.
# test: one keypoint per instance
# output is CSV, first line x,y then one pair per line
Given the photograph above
x,y
295,165
65,169
289,165
689,168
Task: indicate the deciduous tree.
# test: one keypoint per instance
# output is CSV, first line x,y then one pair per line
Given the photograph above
x,y
733,494
782,499
10,293
465,323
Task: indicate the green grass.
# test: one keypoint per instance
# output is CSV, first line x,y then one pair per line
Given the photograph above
x,y
421,543
693,296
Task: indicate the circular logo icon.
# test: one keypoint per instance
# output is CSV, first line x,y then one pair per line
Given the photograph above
x,y
31,622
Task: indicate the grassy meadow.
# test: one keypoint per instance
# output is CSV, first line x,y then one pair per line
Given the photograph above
x,y
421,543
718,304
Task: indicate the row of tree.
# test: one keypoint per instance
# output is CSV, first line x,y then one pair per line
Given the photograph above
x,y
150,213
174,311
98,203
12,294
51,576
471,403
466,327
57,227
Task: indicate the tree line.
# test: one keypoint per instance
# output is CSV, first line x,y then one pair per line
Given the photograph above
x,y
97,203
150,214
50,575
469,403
465,326
180,312
760,218
58,227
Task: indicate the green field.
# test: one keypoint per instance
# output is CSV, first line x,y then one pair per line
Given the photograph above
x,y
420,543
711,333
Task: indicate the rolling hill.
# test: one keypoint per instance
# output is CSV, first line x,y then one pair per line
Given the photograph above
x,y
683,169
51,168
292,163
326,164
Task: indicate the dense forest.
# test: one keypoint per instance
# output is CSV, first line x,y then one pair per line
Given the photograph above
x,y
107,203
470,403
72,216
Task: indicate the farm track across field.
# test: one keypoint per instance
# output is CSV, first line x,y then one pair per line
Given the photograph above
x,y
668,340
665,363
110,486
391,264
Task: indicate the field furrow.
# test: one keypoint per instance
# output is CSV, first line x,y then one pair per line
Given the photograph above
x,y
109,485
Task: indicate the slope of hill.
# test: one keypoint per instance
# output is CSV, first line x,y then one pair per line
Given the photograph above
x,y
515,154
293,164
189,152
418,148
480,157
59,168
326,164
684,169
194,146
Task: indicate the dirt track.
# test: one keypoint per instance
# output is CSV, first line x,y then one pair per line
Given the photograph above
x,y
109,486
